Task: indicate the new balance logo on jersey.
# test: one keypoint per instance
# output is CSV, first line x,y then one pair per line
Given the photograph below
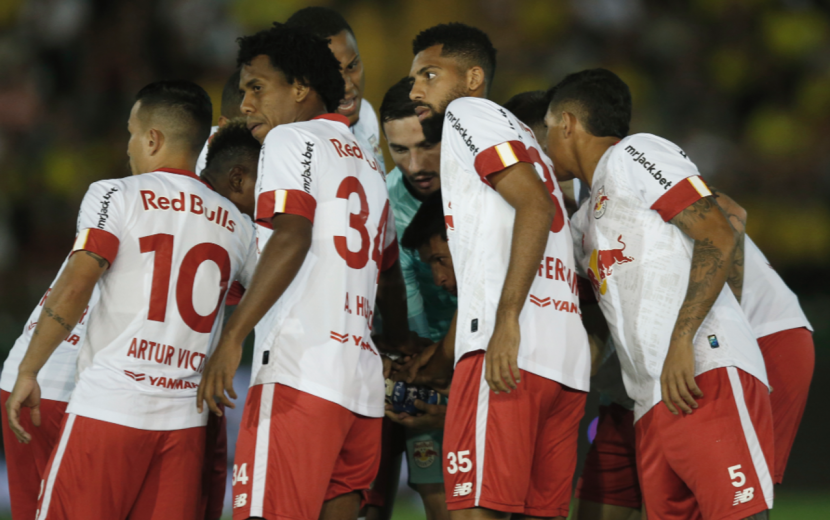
x,y
462,490
240,500
639,157
742,497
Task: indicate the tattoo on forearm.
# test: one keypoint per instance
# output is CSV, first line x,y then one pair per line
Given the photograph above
x,y
62,322
101,262
736,274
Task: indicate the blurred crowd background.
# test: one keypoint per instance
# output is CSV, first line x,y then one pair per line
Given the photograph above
x,y
742,85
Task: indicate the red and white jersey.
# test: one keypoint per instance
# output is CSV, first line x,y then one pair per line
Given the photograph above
x,y
768,303
174,247
367,132
316,338
481,138
201,162
639,263
57,377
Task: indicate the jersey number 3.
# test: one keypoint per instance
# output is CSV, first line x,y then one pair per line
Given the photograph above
x,y
357,221
162,246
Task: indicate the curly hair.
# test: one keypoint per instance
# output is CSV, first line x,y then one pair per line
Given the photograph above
x,y
600,97
471,45
300,56
232,142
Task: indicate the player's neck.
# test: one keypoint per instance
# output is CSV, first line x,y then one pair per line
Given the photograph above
x,y
173,162
591,154
310,110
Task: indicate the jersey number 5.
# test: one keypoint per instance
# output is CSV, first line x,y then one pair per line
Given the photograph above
x,y
162,246
357,221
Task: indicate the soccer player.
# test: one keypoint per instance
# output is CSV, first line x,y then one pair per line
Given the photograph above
x,y
330,25
658,250
231,98
310,437
163,248
431,309
510,245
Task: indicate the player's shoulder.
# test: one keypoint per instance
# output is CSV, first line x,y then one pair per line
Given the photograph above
x,y
472,106
639,145
301,133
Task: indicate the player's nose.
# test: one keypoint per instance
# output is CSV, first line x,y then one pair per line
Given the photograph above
x,y
246,107
417,92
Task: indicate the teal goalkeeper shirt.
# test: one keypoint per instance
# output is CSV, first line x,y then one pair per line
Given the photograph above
x,y
431,308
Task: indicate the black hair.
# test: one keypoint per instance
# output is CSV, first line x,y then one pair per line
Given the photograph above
x,y
602,98
470,44
427,223
529,107
231,143
185,104
300,56
232,97
396,102
322,21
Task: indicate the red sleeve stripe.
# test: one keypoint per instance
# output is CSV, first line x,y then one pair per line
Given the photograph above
x,y
294,202
681,196
390,256
497,158
102,243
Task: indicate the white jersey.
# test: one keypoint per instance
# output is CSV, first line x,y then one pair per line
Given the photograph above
x,y
481,138
174,247
768,303
57,377
201,162
638,264
367,132
317,337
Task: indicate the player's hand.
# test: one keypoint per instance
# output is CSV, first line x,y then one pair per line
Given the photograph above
x,y
432,418
26,393
501,361
678,377
217,378
410,370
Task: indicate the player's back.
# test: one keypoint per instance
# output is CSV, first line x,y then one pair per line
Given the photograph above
x,y
481,138
316,338
174,247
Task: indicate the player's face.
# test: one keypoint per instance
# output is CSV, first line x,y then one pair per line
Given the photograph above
x,y
344,47
437,81
437,255
135,150
269,99
557,148
419,160
239,185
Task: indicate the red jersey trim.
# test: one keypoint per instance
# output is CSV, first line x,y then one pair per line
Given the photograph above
x,y
334,117
102,243
294,202
235,294
681,196
186,173
390,256
501,156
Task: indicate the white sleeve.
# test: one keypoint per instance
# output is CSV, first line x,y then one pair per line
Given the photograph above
x,y
289,176
101,219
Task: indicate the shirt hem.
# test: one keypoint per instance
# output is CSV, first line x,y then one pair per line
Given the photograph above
x,y
101,414
327,394
777,326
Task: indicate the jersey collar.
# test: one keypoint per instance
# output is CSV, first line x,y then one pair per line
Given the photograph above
x,y
334,117
186,173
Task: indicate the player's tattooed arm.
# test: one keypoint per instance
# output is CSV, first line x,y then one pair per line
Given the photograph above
x,y
102,263
62,309
737,217
712,256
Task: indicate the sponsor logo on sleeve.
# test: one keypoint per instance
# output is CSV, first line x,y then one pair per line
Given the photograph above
x,y
103,213
649,166
601,266
467,139
309,153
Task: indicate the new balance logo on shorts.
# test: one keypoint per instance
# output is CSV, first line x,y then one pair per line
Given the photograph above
x,y
240,500
462,490
742,497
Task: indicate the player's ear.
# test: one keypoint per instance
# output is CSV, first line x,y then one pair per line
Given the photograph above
x,y
155,141
300,91
235,179
569,123
475,78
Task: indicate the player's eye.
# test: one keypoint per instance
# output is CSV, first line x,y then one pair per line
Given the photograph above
x,y
353,65
430,75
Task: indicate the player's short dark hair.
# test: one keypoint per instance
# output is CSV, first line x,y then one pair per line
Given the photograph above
x,y
529,107
602,98
230,144
232,97
300,56
471,45
427,223
322,21
396,102
185,105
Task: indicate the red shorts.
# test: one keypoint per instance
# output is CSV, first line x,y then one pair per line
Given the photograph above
x,y
529,434
26,463
105,470
215,471
296,451
610,472
790,357
714,463
392,445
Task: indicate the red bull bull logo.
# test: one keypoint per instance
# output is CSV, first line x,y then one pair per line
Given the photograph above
x,y
424,453
601,266
601,204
